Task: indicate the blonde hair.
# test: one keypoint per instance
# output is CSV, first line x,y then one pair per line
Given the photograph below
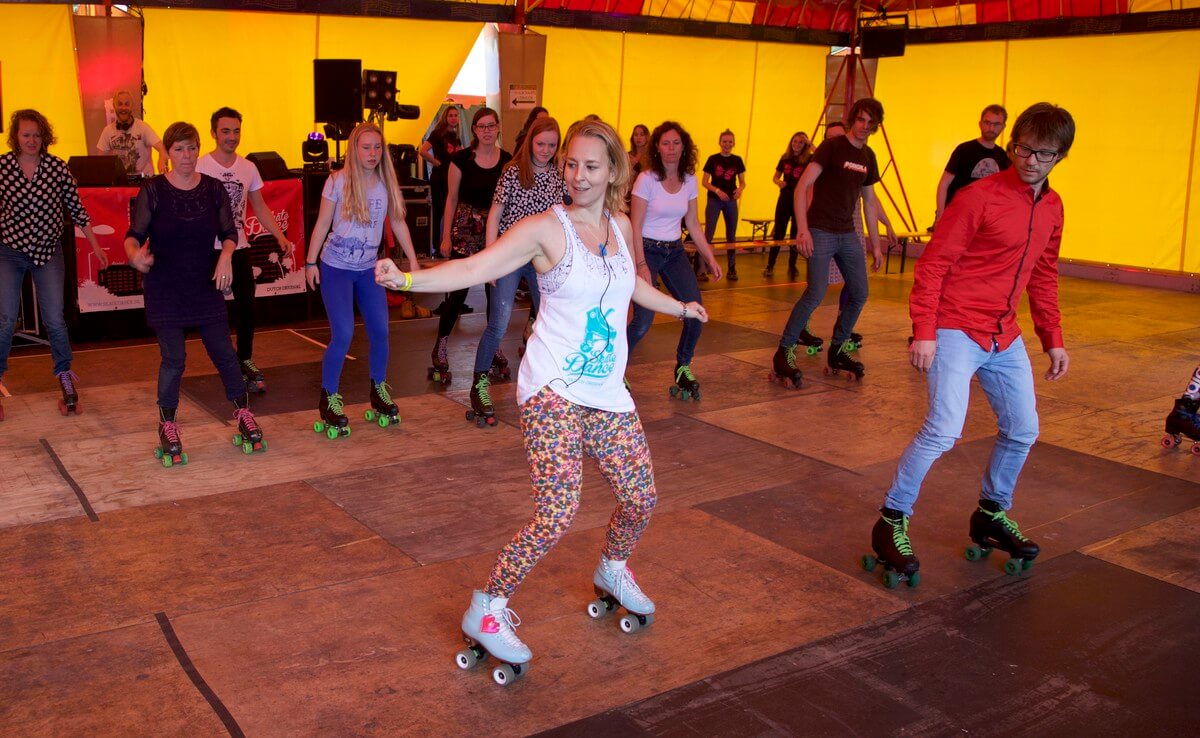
x,y
354,179
618,160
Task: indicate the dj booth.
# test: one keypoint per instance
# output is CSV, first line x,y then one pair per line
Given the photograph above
x,y
106,302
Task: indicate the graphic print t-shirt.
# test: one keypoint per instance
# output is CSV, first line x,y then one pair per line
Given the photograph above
x,y
240,180
845,170
973,161
723,172
790,168
353,245
132,147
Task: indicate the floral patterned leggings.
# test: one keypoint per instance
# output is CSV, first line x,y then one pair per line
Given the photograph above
x,y
557,435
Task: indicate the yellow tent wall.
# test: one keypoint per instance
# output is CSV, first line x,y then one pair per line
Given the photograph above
x,y
37,70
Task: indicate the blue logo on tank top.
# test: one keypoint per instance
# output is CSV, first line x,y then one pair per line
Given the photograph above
x,y
597,355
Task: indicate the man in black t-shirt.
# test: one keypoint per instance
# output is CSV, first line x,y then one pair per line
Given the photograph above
x,y
974,159
842,169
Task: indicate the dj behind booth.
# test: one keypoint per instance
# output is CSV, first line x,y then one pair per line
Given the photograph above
x,y
107,303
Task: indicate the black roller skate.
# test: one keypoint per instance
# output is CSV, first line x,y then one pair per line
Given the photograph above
x,y
893,549
686,386
440,371
812,344
170,446
333,422
70,398
854,343
383,411
992,528
481,412
840,360
254,379
784,369
249,436
1183,421
500,368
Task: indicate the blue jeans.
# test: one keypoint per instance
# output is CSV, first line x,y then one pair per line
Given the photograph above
x,y
49,280
500,307
340,289
668,260
729,208
1007,379
172,347
847,251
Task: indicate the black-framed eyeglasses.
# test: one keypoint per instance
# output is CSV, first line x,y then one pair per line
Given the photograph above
x,y
486,126
1045,156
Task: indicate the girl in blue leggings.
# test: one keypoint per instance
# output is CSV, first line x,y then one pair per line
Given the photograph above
x,y
349,228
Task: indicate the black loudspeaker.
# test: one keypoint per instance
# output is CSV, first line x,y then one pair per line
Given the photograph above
x,y
337,90
270,165
883,41
418,214
98,171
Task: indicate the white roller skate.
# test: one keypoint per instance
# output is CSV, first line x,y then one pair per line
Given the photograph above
x,y
615,585
488,628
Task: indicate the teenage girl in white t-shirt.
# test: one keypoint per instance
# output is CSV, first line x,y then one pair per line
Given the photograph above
x,y
663,195
570,385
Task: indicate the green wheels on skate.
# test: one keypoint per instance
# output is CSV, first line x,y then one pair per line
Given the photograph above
x,y
330,431
975,553
868,562
812,350
382,421
167,461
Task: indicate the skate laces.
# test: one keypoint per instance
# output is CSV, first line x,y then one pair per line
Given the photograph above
x,y
384,392
481,388
440,349
685,371
68,379
1008,523
170,431
790,354
249,364
335,403
624,585
508,621
900,536
499,357
245,418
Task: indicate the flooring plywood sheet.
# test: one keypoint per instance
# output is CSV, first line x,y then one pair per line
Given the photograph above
x,y
661,340
469,503
121,682
32,490
71,577
1065,500
375,657
121,471
1165,550
972,664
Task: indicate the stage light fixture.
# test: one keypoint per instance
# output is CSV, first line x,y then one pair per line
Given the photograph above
x,y
315,149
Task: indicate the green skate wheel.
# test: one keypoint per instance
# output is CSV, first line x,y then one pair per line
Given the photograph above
x,y
247,448
158,454
1012,567
673,391
1026,564
319,427
890,579
237,439
166,462
914,579
183,458
868,562
696,396
685,395
973,553
331,432
812,350
383,421
264,444
347,433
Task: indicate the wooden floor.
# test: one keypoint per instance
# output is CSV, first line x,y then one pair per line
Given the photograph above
x,y
317,589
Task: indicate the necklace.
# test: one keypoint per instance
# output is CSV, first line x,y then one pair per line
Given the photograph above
x,y
601,246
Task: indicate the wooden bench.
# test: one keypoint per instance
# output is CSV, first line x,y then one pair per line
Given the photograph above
x,y
759,227
903,238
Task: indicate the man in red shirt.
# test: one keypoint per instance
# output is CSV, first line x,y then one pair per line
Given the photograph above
x,y
998,238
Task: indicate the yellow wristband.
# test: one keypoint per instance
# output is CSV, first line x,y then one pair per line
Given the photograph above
x,y
407,282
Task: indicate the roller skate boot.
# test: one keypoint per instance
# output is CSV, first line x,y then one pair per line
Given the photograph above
x,y
1183,421
500,368
440,371
812,344
893,549
333,421
170,446
783,368
686,386
249,436
854,343
769,272
488,627
254,379
840,360
615,585
70,397
383,411
481,412
992,528
731,274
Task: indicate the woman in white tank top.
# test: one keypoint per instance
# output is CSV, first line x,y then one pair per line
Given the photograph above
x,y
570,385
